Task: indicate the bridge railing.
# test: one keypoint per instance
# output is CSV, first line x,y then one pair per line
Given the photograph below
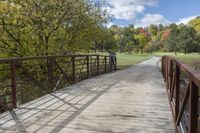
x,y
25,79
183,87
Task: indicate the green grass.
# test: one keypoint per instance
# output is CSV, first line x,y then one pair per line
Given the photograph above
x,y
125,60
191,59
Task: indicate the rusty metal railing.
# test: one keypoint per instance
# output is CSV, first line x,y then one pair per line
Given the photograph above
x,y
25,79
183,87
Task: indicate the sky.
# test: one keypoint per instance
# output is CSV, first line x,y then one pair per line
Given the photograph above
x,y
142,13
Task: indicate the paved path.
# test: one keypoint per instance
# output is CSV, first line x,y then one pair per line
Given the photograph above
x,y
128,101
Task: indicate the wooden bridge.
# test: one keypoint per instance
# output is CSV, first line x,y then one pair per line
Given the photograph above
x,y
134,100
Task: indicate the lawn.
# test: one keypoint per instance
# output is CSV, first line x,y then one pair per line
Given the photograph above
x,y
192,59
125,60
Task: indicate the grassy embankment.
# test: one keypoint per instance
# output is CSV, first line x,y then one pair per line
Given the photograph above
x,y
125,60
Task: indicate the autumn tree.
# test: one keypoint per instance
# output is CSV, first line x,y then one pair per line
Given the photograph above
x,y
142,39
153,30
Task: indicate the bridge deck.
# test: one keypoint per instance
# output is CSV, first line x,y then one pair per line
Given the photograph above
x,y
131,101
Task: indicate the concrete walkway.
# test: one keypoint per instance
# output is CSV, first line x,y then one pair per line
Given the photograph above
x,y
128,101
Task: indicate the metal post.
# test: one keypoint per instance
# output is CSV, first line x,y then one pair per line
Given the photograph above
x,y
167,73
110,61
162,63
73,69
105,58
88,66
177,89
13,84
98,71
50,71
115,65
170,74
193,108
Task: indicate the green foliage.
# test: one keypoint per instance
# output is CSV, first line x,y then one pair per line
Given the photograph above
x,y
181,38
153,29
171,42
143,41
48,27
118,36
173,38
195,23
187,39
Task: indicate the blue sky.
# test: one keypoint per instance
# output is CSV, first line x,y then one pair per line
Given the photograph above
x,y
145,12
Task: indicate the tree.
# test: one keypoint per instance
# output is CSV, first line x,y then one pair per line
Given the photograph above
x,y
118,35
195,23
160,27
104,41
187,39
143,41
43,27
171,42
153,30
129,38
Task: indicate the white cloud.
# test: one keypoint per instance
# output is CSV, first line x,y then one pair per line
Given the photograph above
x,y
109,24
185,20
128,9
133,2
126,12
149,19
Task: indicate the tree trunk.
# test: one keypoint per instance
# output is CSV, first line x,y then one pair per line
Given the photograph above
x,y
129,51
142,50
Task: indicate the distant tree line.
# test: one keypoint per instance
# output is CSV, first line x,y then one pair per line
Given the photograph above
x,y
170,38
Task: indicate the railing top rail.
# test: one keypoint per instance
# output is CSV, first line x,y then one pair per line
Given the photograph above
x,y
189,71
6,60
